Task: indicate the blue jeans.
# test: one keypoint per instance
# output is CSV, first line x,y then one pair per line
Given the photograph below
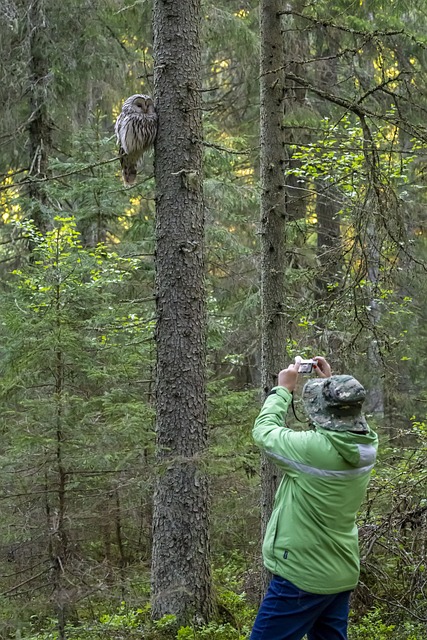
x,y
288,613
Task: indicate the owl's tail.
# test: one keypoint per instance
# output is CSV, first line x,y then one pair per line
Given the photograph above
x,y
129,168
129,175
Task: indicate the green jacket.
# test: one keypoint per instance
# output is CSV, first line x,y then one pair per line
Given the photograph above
x,y
311,538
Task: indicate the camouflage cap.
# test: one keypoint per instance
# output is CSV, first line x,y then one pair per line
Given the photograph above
x,y
335,403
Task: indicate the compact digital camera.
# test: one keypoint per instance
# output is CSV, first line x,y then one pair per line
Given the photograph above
x,y
306,366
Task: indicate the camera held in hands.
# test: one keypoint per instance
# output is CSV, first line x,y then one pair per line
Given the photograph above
x,y
306,366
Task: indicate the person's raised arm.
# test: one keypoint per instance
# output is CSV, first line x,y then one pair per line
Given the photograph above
x,y
284,445
288,377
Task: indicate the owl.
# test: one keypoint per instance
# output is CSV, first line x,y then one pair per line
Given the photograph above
x,y
136,129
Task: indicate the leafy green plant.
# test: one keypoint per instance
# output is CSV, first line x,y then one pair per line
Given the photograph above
x,y
371,627
212,631
125,617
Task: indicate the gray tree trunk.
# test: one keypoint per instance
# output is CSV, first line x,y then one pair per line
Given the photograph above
x,y
329,252
39,127
296,46
272,227
375,395
329,249
181,577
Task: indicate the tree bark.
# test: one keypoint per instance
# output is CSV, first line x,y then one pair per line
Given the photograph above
x,y
59,542
329,253
39,127
272,227
295,44
181,575
329,249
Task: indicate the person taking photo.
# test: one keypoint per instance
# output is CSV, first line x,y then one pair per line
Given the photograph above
x,y
311,541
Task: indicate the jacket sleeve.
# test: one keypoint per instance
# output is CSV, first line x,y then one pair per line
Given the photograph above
x,y
287,448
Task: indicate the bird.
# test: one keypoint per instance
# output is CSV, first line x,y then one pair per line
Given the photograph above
x,y
136,130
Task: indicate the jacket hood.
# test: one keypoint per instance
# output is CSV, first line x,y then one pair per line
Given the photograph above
x,y
357,449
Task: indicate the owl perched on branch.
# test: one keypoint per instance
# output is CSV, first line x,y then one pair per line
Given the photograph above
x,y
136,129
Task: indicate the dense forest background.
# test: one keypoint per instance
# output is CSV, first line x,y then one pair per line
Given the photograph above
x,y
78,314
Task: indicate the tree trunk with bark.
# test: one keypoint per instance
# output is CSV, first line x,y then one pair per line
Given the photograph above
x,y
181,575
272,227
39,126
296,48
329,249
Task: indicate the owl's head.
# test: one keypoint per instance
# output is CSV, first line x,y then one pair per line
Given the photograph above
x,y
140,103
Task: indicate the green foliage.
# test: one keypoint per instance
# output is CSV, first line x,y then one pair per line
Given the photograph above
x,y
371,626
75,378
391,526
212,631
125,618
136,622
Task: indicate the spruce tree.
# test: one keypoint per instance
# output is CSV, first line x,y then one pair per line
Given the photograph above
x,y
181,574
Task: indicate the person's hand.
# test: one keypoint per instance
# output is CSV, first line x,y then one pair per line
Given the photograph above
x,y
322,367
288,377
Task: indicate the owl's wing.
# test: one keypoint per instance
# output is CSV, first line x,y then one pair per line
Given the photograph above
x,y
120,130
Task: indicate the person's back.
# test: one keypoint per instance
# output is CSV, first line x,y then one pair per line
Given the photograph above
x,y
311,540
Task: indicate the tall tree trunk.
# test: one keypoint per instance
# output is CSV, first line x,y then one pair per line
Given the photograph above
x,y
397,382
296,47
375,395
181,576
329,254
39,127
329,250
59,535
373,231
273,220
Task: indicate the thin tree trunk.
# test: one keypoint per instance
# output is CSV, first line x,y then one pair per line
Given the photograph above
x,y
93,228
273,221
118,526
39,127
59,547
181,575
296,47
375,395
329,250
397,382
373,238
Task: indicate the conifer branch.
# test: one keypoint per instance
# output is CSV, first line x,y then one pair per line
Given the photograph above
x,y
359,110
57,176
340,27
